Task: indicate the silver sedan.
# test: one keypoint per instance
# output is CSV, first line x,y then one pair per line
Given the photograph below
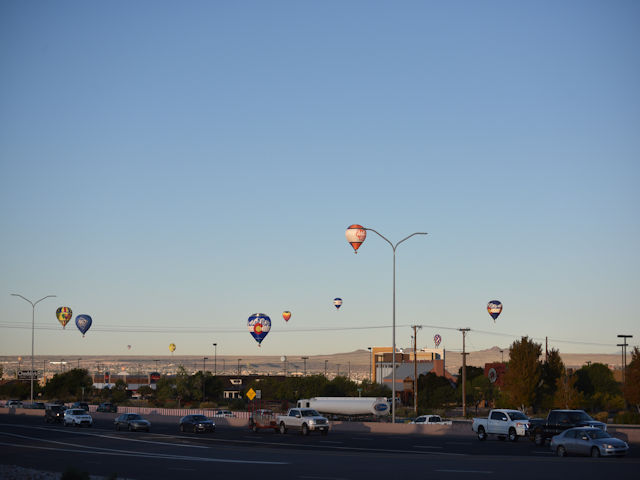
x,y
588,441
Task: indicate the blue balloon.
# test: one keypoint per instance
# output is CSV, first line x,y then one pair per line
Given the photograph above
x,y
259,325
83,322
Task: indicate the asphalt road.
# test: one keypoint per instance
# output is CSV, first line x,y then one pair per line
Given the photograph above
x,y
238,453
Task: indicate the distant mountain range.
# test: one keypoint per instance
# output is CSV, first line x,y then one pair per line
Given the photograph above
x,y
356,362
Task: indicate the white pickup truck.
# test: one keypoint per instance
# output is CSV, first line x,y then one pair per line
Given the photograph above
x,y
305,420
511,424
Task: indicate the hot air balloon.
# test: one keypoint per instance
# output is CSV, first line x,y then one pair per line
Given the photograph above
x,y
286,315
259,325
337,302
437,339
83,322
356,234
64,314
494,307
128,347
172,347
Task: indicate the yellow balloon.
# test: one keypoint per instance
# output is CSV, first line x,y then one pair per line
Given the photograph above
x,y
64,314
172,347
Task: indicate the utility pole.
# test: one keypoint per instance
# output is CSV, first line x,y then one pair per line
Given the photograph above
x,y
370,368
624,358
464,372
415,368
325,367
305,365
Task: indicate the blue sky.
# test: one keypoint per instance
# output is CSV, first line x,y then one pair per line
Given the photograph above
x,y
172,168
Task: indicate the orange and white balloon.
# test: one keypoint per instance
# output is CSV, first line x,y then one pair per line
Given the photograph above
x,y
356,234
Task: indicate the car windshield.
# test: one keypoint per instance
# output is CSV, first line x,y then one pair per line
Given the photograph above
x,y
199,418
597,433
307,412
577,417
134,416
518,416
77,411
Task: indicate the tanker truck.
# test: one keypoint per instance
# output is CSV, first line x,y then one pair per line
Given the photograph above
x,y
349,406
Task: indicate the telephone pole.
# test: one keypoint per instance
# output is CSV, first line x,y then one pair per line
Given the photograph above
x,y
415,368
464,372
624,357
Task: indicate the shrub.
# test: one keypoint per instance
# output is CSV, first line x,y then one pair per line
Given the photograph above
x,y
601,416
627,418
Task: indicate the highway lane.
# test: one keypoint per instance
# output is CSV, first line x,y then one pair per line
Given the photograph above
x,y
165,453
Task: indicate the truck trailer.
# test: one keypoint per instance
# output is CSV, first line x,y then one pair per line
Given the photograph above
x,y
377,406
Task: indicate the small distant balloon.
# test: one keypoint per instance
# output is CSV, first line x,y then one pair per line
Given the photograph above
x,y
64,314
83,322
259,325
356,234
437,339
128,347
172,347
286,315
494,307
337,302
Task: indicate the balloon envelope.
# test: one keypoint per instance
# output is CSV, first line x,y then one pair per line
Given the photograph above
x,y
494,307
83,322
286,315
64,314
337,302
355,234
172,347
259,325
437,339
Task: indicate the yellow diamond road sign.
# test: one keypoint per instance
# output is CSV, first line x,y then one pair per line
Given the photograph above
x,y
251,394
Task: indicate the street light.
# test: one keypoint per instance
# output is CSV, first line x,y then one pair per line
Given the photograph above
x,y
215,359
33,321
204,360
370,362
356,235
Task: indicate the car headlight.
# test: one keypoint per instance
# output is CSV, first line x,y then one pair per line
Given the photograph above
x,y
311,422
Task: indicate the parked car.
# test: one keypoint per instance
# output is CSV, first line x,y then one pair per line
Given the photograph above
x,y
82,405
54,413
107,407
196,423
34,405
14,404
77,417
588,441
132,421
223,413
541,430
430,420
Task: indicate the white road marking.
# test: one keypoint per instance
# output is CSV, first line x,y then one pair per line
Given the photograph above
x,y
144,455
329,441
425,446
465,471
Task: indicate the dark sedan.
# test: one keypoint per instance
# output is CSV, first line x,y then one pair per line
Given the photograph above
x,y
196,423
107,407
132,421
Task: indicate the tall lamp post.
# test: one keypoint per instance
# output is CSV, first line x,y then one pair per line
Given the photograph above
x,y
215,359
204,360
33,321
370,362
356,234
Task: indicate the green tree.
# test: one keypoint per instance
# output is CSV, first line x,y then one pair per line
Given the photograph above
x,y
524,372
567,395
632,387
598,387
552,369
434,391
68,385
119,392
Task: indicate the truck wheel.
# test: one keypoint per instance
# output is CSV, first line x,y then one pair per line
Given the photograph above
x,y
538,439
513,436
482,435
305,429
561,451
283,429
595,452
